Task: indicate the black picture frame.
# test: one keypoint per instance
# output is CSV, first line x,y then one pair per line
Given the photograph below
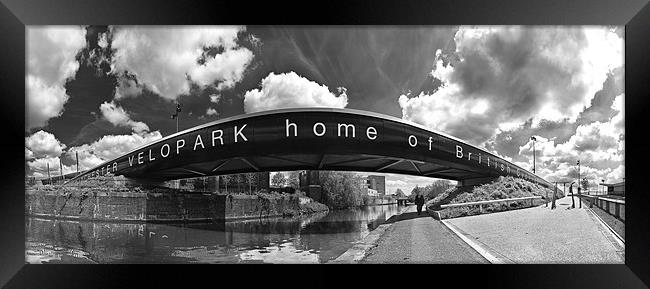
x,y
15,14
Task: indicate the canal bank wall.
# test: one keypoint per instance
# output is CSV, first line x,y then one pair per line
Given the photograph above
x,y
160,205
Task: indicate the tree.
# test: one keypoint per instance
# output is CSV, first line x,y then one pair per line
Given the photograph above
x,y
234,180
341,189
436,188
240,179
585,184
278,180
416,190
293,180
399,193
226,180
251,178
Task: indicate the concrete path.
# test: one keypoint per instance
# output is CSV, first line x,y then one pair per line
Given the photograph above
x,y
420,239
542,235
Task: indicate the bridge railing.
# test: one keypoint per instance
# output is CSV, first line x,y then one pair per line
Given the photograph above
x,y
614,207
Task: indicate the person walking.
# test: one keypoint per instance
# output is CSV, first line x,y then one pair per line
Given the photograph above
x,y
419,202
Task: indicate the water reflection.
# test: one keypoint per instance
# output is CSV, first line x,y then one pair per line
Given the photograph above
x,y
316,238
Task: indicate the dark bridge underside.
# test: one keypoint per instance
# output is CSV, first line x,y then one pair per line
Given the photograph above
x,y
334,162
310,139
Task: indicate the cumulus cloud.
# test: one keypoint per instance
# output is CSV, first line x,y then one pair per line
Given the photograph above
x,y
51,52
119,117
43,148
127,85
166,60
511,74
617,174
503,85
43,144
29,155
211,111
102,40
39,167
109,147
599,146
289,90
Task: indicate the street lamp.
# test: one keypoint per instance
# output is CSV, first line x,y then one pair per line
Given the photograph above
x,y
579,199
175,115
573,203
533,139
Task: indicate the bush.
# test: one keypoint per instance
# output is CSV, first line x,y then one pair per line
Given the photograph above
x,y
502,188
365,200
432,190
341,189
313,207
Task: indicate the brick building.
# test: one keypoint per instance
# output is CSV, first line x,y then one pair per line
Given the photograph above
x,y
377,183
310,184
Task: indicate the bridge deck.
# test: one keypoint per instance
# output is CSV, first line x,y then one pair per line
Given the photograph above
x,y
310,139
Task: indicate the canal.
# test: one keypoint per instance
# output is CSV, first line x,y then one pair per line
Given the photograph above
x,y
316,238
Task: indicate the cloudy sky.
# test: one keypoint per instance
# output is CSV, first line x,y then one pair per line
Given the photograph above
x,y
102,91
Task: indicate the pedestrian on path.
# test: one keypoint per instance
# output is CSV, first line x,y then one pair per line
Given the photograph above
x,y
419,201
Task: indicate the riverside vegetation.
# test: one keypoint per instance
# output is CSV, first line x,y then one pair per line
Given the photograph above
x,y
342,190
502,188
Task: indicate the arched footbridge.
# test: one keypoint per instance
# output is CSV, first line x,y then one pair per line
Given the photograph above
x,y
310,139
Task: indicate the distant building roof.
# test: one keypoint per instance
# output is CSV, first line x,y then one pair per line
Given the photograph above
x,y
614,184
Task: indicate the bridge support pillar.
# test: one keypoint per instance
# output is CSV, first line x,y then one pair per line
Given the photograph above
x,y
310,184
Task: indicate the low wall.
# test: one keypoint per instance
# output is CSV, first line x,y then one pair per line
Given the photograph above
x,y
454,212
245,207
158,207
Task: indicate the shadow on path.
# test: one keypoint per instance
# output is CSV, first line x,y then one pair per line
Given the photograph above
x,y
407,216
453,194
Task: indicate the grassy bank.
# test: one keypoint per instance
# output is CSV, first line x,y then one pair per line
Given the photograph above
x,y
502,188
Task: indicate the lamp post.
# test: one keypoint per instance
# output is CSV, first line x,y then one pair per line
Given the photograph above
x,y
573,204
61,169
533,139
175,115
579,199
553,198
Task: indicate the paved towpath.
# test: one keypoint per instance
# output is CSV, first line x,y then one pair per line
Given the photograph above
x,y
420,239
542,235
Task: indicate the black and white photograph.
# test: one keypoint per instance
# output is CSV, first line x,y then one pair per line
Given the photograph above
x,y
324,144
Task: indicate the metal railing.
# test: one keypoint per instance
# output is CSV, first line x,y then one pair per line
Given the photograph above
x,y
480,203
440,214
614,207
